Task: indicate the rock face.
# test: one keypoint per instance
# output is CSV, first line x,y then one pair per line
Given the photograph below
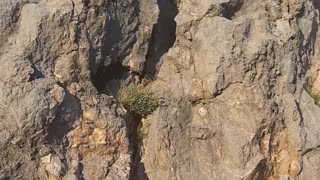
x,y
54,124
236,81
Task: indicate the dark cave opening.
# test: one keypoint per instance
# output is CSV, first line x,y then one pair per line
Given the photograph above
x,y
108,80
163,36
229,9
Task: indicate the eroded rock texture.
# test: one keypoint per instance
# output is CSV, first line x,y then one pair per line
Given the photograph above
x,y
234,85
231,76
54,124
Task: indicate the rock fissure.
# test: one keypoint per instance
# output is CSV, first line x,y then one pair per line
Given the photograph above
x,y
163,36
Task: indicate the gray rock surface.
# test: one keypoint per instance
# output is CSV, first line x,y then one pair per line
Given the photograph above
x,y
236,79
54,124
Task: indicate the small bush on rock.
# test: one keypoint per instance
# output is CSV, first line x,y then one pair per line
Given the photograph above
x,y
137,101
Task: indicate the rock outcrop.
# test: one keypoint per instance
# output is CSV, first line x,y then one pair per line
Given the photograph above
x,y
54,123
234,84
238,85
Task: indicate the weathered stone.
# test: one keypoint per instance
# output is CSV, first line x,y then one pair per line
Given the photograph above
x,y
253,120
235,81
49,52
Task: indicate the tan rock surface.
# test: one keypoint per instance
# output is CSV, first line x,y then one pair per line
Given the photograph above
x,y
237,82
250,117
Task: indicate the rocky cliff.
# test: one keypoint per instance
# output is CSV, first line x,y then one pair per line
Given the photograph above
x,y
238,85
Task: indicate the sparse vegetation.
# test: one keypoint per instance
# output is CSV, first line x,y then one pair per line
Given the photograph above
x,y
315,96
138,100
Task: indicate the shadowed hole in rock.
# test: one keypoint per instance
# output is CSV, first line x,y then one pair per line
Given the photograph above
x,y
36,74
108,80
229,9
163,36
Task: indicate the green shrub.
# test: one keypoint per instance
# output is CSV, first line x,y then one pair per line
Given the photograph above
x,y
137,101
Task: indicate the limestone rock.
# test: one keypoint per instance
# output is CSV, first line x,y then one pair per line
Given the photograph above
x,y
236,78
54,123
237,82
